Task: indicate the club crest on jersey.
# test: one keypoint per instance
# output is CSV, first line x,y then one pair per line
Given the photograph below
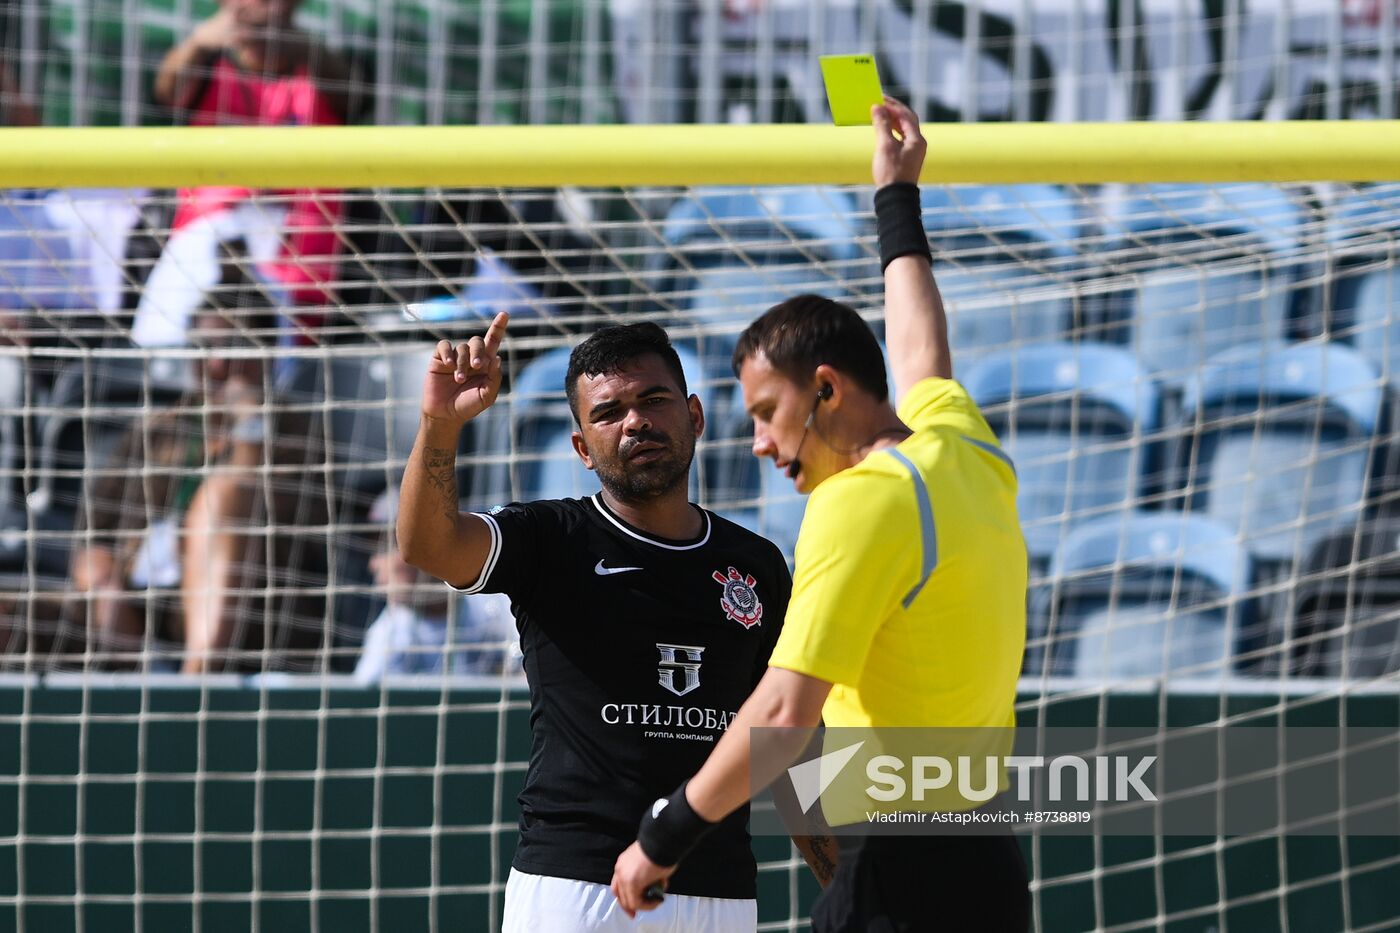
x,y
740,599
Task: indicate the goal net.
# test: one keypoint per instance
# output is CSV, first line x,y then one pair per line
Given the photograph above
x,y
204,417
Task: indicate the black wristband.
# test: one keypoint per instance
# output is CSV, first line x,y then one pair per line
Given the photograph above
x,y
901,225
670,829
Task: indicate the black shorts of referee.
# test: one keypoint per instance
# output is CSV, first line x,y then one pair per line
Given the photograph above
x,y
908,884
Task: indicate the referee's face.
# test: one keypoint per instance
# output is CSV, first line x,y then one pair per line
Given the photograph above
x,y
780,409
637,430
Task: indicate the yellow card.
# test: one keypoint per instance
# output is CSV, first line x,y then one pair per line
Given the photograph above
x,y
852,87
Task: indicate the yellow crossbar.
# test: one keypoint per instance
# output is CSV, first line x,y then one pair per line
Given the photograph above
x,y
548,156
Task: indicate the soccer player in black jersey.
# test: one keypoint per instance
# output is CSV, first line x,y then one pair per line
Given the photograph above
x,y
645,622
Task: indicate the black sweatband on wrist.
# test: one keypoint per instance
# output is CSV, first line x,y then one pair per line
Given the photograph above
x,y
670,829
901,225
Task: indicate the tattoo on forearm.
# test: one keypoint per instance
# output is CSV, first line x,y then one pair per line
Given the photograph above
x,y
824,855
440,463
821,855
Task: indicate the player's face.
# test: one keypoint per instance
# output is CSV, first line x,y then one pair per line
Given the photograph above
x,y
637,430
780,408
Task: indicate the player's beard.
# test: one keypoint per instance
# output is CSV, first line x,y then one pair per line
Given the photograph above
x,y
638,482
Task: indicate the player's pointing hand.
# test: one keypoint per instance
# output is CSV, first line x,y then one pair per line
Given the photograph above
x,y
463,380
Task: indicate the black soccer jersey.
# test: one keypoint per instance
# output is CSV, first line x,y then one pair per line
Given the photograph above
x,y
639,652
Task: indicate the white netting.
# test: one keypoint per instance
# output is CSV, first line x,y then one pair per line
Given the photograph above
x,y
1194,382
85,62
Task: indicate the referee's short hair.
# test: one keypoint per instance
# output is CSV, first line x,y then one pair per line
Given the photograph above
x,y
611,348
804,332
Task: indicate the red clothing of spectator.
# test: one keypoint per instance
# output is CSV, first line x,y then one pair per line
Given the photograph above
x,y
235,97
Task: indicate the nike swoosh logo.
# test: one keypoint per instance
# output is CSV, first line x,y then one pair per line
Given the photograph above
x,y
602,571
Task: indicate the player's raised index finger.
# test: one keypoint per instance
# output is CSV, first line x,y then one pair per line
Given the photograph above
x,y
497,331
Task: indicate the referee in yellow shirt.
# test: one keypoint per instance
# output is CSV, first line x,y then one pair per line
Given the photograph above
x,y
908,600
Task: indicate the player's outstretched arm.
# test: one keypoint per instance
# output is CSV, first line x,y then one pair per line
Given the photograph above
x,y
811,835
433,535
783,699
915,327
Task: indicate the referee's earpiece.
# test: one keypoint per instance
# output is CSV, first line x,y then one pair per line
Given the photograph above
x,y
823,393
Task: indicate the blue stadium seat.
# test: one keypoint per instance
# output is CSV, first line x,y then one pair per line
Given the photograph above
x,y
1364,287
493,287
728,297
734,252
1213,267
1147,594
375,400
771,507
817,219
1073,418
1345,621
526,444
38,266
1277,443
1008,265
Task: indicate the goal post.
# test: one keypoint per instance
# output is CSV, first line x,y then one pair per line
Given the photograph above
x,y
1187,336
693,154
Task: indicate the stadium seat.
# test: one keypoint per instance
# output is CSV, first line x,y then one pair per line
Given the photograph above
x,y
727,297
375,400
38,267
1074,419
1344,621
1007,265
371,398
774,509
817,219
1276,443
732,252
120,388
1212,267
12,391
1364,282
1146,594
493,287
525,445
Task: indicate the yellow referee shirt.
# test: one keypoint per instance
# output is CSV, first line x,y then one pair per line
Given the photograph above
x,y
910,587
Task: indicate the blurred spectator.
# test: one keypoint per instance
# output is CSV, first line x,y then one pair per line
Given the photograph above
x,y
413,635
15,108
203,526
59,250
248,64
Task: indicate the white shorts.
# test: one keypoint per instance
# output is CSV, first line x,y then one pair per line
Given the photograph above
x,y
540,904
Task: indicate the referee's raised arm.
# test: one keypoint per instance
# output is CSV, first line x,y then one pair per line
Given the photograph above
x,y
915,326
433,535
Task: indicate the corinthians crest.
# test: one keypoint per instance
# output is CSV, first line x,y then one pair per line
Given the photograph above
x,y
740,600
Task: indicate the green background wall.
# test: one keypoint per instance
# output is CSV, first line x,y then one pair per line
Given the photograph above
x,y
269,760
